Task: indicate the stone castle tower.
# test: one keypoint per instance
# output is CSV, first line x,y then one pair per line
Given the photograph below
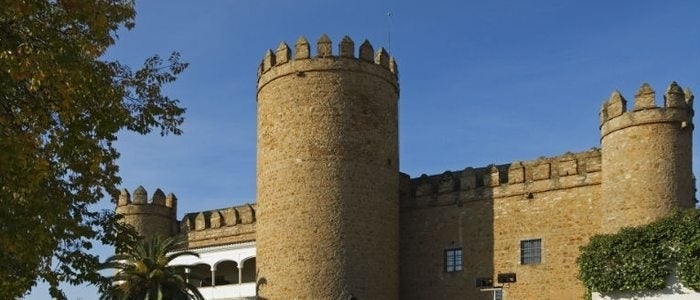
x,y
646,157
335,219
327,173
155,217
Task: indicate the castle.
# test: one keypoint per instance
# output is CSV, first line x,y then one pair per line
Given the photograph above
x,y
335,219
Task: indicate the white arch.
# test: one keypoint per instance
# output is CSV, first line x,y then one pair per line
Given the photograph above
x,y
216,263
212,256
246,259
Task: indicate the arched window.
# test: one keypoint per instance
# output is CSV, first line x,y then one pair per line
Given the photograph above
x,y
200,275
226,273
249,270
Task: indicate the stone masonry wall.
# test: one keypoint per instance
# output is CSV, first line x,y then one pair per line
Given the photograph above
x,y
647,157
336,220
487,212
219,227
327,173
332,204
148,217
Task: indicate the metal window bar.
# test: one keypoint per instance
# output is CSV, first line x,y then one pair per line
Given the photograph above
x,y
531,252
453,260
458,260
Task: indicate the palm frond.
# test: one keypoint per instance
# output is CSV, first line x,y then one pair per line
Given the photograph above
x,y
143,272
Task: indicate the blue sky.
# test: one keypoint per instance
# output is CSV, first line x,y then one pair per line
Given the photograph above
x,y
481,81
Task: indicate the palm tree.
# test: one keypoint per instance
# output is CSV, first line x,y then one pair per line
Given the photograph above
x,y
143,272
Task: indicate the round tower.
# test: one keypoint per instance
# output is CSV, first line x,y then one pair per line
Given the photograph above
x,y
149,218
327,173
646,157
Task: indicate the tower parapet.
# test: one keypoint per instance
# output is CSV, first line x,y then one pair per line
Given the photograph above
x,y
524,179
219,226
327,172
646,156
281,62
677,108
148,217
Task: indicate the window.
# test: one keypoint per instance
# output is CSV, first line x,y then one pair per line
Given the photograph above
x,y
531,252
453,260
498,295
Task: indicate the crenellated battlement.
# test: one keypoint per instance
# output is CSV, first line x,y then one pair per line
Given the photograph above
x,y
219,226
212,219
647,156
156,215
140,197
284,61
677,107
331,114
497,181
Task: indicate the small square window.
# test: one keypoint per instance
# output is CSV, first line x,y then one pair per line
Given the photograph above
x,y
453,260
531,252
498,295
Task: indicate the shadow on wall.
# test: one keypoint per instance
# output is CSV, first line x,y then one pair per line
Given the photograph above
x,y
447,241
261,282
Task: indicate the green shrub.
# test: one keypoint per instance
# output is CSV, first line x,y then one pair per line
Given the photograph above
x,y
641,258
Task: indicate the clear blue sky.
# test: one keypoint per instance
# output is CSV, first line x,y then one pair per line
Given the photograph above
x,y
481,81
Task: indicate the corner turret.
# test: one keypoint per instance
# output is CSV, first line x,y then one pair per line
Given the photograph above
x,y
646,156
149,218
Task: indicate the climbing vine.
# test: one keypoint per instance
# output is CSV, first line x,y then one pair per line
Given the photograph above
x,y
641,258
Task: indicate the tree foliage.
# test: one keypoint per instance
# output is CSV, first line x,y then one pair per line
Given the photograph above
x,y
61,106
641,258
143,272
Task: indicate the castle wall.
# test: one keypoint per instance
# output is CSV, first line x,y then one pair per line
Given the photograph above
x,y
336,220
556,200
201,229
219,227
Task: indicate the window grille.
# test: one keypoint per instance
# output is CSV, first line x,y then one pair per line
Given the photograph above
x,y
531,252
453,260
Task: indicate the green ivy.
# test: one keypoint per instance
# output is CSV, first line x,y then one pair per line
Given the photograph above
x,y
640,258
